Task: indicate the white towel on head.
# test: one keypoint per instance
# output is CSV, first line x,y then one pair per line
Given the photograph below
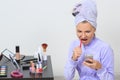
x,y
86,10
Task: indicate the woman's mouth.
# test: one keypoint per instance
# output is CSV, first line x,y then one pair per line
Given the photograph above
x,y
84,40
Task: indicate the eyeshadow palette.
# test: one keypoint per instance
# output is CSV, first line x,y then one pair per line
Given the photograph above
x,y
3,71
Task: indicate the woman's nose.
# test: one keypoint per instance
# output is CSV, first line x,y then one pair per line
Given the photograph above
x,y
83,35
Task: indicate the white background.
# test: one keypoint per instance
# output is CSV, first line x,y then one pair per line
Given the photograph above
x,y
28,23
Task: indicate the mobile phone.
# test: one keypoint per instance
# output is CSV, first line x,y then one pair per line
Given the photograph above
x,y
88,61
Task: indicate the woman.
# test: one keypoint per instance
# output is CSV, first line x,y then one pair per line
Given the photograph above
x,y
90,56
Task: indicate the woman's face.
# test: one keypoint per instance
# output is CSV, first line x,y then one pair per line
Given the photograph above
x,y
85,32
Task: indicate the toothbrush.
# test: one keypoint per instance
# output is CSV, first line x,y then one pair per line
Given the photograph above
x,y
80,44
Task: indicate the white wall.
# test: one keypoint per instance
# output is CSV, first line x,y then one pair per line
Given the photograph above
x,y
28,23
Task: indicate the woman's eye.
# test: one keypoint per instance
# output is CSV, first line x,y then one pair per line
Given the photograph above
x,y
79,31
87,31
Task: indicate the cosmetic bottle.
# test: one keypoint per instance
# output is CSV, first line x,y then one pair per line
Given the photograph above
x,y
32,67
44,47
17,55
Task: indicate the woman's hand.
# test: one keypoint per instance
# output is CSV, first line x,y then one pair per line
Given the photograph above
x,y
93,64
76,53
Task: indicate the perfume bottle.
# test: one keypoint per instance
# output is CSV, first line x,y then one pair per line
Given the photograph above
x,y
32,67
39,68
